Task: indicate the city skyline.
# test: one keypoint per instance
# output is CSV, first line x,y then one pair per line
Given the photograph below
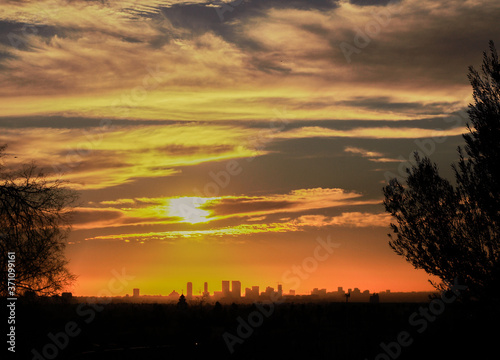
x,y
253,290
235,294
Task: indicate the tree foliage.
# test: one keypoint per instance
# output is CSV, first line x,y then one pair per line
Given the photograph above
x,y
34,224
452,230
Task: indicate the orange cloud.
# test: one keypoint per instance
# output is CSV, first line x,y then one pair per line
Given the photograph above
x,y
294,202
350,219
174,211
232,231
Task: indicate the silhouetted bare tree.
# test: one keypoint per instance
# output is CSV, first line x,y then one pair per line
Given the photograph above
x,y
450,231
34,223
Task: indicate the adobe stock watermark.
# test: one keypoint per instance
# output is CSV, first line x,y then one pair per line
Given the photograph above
x,y
87,312
292,277
420,320
11,298
364,36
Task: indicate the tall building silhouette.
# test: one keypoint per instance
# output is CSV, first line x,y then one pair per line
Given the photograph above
x,y
252,293
236,289
205,290
189,291
225,288
136,292
269,291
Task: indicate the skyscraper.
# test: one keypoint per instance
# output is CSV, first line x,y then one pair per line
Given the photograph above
x,y
189,291
136,292
225,288
205,290
252,293
236,289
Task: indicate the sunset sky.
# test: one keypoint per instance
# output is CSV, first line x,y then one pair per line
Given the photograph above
x,y
217,141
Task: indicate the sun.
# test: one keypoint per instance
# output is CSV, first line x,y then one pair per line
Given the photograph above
x,y
188,209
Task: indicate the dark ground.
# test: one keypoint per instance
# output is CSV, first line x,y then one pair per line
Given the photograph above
x,y
291,331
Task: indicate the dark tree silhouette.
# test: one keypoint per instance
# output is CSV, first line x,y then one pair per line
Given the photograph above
x,y
452,231
34,224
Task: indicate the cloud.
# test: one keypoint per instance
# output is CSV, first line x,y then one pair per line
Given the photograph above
x,y
349,219
294,202
109,156
346,219
362,152
371,155
119,202
92,58
383,132
92,216
234,215
112,155
232,231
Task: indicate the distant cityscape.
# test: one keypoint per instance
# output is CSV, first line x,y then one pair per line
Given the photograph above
x,y
231,292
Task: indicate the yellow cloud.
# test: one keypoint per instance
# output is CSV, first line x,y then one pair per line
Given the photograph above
x,y
384,132
194,210
243,229
110,156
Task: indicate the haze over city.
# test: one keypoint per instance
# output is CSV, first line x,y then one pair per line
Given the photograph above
x,y
232,292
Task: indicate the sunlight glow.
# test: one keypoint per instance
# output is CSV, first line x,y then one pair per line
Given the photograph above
x,y
189,209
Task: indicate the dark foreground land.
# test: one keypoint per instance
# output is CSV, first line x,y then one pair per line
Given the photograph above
x,y
59,330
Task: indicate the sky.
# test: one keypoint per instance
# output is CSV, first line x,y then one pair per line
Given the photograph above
x,y
245,140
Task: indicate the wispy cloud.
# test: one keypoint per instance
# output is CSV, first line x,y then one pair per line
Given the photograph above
x,y
91,58
302,223
226,215
383,132
362,152
371,155
232,231
111,156
294,202
349,219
